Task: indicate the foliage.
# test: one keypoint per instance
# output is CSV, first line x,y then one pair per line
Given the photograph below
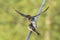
x,y
14,27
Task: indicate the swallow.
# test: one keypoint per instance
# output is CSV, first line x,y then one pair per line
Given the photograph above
x,y
33,29
32,25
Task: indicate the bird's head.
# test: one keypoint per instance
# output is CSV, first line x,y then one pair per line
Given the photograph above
x,y
31,18
28,17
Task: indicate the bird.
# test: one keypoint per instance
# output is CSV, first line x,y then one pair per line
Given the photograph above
x,y
32,25
33,29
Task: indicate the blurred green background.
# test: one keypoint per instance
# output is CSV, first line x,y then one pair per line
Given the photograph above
x,y
14,27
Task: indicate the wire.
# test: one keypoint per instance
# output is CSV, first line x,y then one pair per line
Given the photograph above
x,y
28,36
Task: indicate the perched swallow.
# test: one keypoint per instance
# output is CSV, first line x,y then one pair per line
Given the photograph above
x,y
32,28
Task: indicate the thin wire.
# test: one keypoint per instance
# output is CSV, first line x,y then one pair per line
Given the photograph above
x,y
28,36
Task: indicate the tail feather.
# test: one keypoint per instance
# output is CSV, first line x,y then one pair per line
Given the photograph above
x,y
37,33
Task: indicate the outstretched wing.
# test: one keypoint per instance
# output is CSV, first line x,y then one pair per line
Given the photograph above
x,y
46,9
42,12
21,13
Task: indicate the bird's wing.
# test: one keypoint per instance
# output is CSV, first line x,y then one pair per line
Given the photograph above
x,y
21,13
42,12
